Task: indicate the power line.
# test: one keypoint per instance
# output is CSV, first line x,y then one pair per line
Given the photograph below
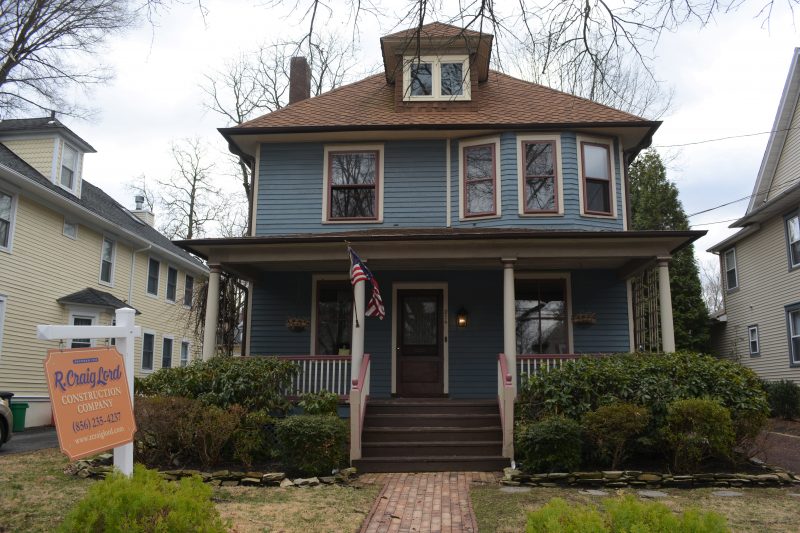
x,y
705,141
712,223
775,190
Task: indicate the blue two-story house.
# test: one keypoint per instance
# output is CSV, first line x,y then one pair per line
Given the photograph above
x,y
493,213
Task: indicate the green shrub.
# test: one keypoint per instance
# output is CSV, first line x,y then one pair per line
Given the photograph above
x,y
253,440
255,383
311,444
613,426
552,444
652,380
698,429
784,398
320,403
145,503
621,515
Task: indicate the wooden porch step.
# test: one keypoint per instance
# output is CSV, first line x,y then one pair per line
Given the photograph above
x,y
432,406
375,434
432,448
432,464
458,420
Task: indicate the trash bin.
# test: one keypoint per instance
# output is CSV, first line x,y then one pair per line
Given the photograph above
x,y
18,410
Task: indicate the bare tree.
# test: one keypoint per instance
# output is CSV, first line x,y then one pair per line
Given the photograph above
x,y
140,187
712,285
188,197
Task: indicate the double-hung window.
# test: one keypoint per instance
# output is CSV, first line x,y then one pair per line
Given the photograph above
x,y
166,352
2,319
597,178
188,290
731,274
479,183
148,348
107,261
430,78
539,179
7,206
153,268
172,283
752,338
793,319
793,240
184,353
69,167
541,316
70,229
334,317
353,183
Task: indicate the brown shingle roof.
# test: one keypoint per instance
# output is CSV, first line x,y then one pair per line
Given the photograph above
x,y
434,29
501,100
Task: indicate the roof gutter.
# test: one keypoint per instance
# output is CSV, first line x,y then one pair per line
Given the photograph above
x,y
25,183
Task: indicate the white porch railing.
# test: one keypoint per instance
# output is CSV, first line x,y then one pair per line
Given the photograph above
x,y
358,407
505,400
320,372
528,365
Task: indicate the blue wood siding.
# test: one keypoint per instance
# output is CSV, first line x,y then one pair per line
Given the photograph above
x,y
290,186
472,350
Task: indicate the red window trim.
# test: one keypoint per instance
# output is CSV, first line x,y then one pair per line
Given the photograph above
x,y
330,185
585,178
466,181
320,284
525,178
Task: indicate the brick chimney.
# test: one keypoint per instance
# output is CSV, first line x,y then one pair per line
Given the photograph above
x,y
299,80
142,213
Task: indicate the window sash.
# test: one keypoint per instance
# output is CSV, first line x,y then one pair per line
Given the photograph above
x,y
82,321
107,260
340,195
184,353
6,214
148,349
606,207
794,335
731,274
153,269
166,352
540,179
188,290
333,325
752,332
68,167
793,237
421,74
172,283
547,324
473,183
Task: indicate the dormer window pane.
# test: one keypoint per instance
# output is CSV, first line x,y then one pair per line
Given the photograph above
x,y
452,79
68,166
421,79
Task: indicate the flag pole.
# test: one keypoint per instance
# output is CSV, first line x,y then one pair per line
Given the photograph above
x,y
350,257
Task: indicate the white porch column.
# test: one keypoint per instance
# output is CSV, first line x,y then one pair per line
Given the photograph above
x,y
665,306
357,337
509,320
212,314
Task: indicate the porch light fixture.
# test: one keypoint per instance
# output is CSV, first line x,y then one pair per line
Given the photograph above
x,y
461,317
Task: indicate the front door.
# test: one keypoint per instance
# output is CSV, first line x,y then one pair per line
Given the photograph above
x,y
420,361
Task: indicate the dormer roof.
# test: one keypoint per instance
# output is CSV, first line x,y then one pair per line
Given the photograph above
x,y
16,126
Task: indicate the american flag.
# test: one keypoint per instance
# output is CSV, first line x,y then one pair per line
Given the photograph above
x,y
360,272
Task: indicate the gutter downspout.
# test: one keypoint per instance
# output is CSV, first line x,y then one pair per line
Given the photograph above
x,y
133,269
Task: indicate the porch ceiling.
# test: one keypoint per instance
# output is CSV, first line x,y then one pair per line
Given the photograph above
x,y
446,249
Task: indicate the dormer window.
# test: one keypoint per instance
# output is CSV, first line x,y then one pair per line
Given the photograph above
x,y
433,78
69,167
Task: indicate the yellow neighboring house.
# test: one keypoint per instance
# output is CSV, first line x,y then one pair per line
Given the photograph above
x,y
69,253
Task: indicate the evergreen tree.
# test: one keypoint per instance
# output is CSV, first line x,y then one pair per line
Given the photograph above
x,y
655,206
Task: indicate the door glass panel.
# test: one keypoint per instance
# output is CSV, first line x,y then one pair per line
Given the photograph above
x,y
420,320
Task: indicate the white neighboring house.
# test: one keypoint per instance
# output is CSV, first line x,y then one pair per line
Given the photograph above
x,y
69,253
760,264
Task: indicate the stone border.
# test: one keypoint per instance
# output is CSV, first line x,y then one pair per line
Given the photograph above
x,y
649,480
100,466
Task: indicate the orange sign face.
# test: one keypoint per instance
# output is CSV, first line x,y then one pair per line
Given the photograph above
x,y
91,400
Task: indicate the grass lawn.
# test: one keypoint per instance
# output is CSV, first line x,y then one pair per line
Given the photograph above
x,y
35,495
759,510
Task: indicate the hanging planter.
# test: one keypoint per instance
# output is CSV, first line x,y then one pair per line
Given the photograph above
x,y
296,324
584,319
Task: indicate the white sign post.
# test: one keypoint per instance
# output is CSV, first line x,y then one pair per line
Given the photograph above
x,y
124,332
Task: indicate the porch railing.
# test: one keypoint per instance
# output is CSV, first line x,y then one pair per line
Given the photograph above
x,y
532,364
359,394
320,372
505,400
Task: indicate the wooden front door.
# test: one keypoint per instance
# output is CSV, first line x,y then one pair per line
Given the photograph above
x,y
420,346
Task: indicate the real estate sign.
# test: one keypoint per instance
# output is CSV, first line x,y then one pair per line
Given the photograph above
x,y
91,400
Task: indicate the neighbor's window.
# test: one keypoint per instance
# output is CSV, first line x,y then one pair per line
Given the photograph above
x,y
188,290
596,178
794,335
148,348
541,316
480,180
184,353
2,318
6,219
153,268
166,352
107,260
731,276
793,236
334,317
69,167
752,334
172,283
353,185
70,229
82,321
540,184
435,78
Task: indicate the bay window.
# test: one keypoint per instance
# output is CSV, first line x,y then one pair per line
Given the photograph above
x,y
479,183
539,177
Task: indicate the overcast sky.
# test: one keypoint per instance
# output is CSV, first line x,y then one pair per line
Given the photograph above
x,y
727,79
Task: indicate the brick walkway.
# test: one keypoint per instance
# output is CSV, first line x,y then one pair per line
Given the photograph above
x,y
435,502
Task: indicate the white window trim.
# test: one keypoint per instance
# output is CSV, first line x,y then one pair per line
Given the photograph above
x,y
13,222
3,306
521,174
68,222
183,300
436,74
498,182
794,358
166,283
141,354
579,139
113,260
567,277
171,354
147,278
76,171
83,312
326,169
735,269
315,279
750,339
188,344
